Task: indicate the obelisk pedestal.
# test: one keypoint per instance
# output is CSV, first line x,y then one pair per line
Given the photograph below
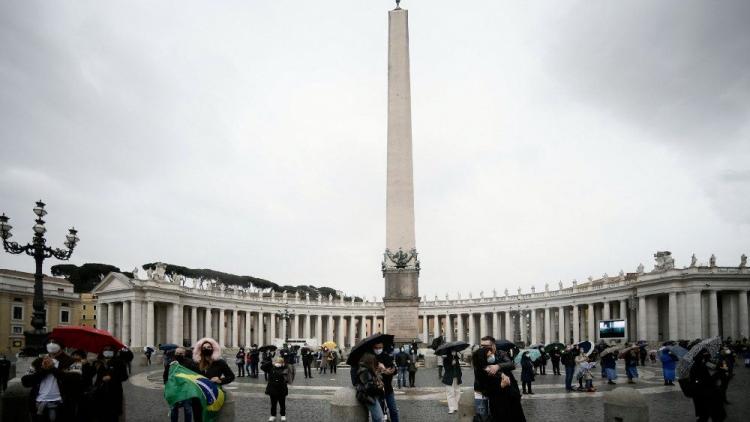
x,y
400,263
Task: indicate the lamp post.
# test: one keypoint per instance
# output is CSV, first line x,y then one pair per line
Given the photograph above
x,y
286,316
38,249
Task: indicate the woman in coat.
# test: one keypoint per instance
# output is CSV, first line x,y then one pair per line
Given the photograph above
x,y
207,356
527,373
239,359
277,390
668,365
370,387
111,372
452,380
705,390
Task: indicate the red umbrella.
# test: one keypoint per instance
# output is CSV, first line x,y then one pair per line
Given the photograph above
x,y
86,338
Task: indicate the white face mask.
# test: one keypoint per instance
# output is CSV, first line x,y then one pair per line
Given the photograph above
x,y
108,354
53,348
377,351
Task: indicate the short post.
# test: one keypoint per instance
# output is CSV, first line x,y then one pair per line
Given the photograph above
x,y
344,407
226,414
430,360
466,410
625,405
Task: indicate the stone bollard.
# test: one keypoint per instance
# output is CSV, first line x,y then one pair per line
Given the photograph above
x,y
625,405
13,404
344,407
466,409
430,360
227,410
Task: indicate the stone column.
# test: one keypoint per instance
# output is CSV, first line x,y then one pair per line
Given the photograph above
x,y
126,323
319,328
547,327
713,314
482,325
436,325
561,335
111,318
352,330
693,314
193,324
425,329
576,324
374,325
306,331
248,335
222,328
235,328
508,326
271,327
460,334
673,334
605,310
295,326
150,324
136,324
591,323
534,336
282,334
448,327
100,322
472,329
743,313
495,325
642,321
340,332
329,328
260,334
208,324
624,315
177,324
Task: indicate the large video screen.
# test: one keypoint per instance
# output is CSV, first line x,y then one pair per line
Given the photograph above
x,y
612,328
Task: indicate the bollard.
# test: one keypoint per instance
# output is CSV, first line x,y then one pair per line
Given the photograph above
x,y
344,407
625,405
466,409
430,360
14,402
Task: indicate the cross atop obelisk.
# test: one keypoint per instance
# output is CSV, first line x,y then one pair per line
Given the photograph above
x,y
400,264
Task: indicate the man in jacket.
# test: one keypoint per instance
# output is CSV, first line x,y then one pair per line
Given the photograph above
x,y
568,360
402,362
53,391
307,358
387,369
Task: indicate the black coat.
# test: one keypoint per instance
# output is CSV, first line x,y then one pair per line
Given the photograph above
x,y
451,369
218,368
107,395
278,378
707,397
387,361
67,382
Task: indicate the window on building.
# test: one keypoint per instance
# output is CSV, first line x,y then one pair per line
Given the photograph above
x,y
84,307
64,316
94,307
60,290
17,330
18,312
94,316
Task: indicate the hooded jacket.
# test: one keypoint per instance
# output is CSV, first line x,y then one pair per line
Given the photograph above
x,y
218,366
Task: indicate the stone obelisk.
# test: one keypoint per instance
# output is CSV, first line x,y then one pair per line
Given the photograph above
x,y
400,263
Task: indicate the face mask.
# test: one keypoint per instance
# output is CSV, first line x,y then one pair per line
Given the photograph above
x,y
378,351
491,359
207,352
108,354
53,347
278,365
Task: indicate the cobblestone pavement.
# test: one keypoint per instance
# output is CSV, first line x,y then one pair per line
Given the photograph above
x,y
309,397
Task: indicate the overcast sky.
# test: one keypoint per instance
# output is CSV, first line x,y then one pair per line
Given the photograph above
x,y
552,140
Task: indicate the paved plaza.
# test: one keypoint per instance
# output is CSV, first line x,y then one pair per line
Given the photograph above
x,y
308,399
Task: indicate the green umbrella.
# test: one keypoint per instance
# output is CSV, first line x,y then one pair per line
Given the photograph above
x,y
551,347
534,354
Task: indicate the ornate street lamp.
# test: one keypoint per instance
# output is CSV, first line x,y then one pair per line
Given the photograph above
x,y
286,315
36,338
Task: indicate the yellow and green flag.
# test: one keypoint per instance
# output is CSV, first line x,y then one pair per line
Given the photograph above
x,y
184,384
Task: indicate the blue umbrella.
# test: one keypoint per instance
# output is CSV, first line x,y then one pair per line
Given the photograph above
x,y
167,347
677,350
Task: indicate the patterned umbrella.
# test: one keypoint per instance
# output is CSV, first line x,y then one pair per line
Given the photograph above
x,y
712,345
534,354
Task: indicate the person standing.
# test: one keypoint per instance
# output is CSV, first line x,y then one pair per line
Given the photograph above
x,y
51,397
369,386
527,373
643,353
494,378
333,361
111,372
412,369
452,380
631,365
668,365
254,360
555,358
307,358
580,360
277,388
207,357
705,391
126,355
543,361
148,352
386,369
4,373
322,361
609,363
180,358
402,362
239,359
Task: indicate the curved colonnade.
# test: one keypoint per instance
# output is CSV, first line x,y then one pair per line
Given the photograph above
x,y
674,304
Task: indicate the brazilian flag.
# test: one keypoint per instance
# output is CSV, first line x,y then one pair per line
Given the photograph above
x,y
184,384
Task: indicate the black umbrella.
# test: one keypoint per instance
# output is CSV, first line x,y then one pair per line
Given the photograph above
x,y
454,346
268,348
505,345
365,345
693,343
436,342
669,343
